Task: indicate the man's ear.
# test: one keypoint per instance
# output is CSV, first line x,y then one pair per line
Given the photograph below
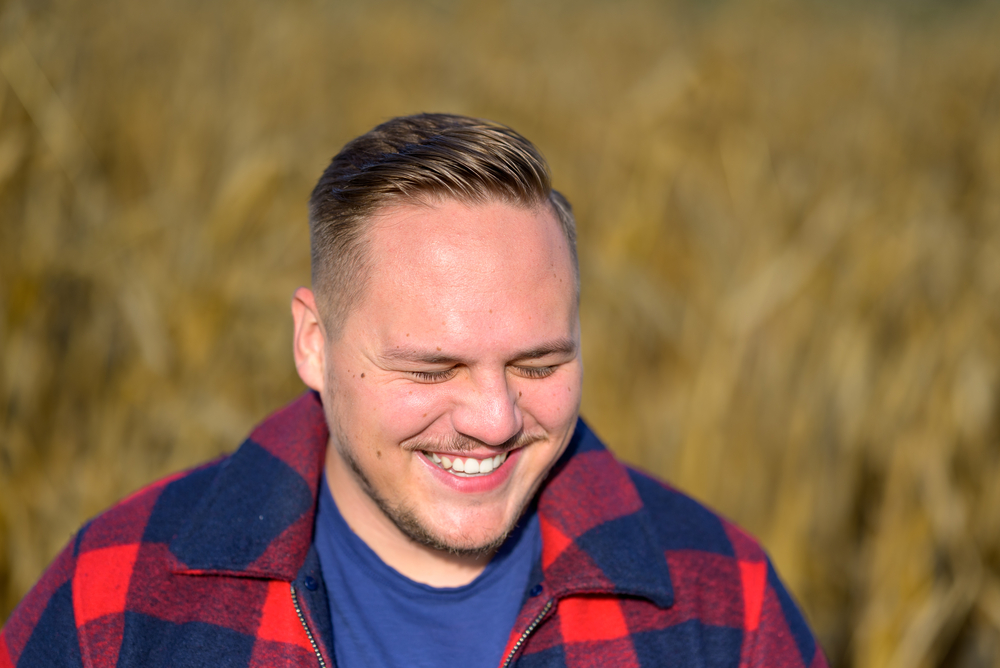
x,y
309,340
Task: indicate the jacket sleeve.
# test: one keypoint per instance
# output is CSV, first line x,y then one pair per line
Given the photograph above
x,y
782,638
41,632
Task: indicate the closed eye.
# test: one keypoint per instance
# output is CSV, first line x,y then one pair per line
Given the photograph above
x,y
535,371
432,376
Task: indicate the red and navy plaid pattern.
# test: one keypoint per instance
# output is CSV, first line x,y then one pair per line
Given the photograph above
x,y
214,567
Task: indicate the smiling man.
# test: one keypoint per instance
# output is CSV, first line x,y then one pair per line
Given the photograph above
x,y
434,500
453,384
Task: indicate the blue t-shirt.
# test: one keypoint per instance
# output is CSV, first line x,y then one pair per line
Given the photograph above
x,y
381,618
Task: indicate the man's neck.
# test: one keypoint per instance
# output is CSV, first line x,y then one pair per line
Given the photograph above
x,y
418,562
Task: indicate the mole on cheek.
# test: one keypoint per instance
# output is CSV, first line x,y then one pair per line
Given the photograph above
x,y
378,453
362,375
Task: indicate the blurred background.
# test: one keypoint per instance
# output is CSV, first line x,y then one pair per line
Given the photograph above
x,y
789,222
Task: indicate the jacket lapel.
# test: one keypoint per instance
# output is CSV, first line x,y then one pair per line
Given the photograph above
x,y
597,537
256,519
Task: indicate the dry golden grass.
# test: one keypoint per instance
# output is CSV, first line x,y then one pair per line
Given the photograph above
x,y
790,240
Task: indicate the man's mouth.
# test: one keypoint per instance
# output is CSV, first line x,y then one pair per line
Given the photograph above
x,y
467,467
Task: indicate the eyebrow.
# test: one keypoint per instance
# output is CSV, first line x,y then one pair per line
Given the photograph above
x,y
563,346
559,346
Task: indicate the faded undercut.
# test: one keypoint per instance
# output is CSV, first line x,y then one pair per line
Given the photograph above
x,y
416,159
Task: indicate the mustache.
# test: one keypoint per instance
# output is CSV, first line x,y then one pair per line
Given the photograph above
x,y
459,443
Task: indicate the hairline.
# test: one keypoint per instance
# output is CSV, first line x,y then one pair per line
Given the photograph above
x,y
336,308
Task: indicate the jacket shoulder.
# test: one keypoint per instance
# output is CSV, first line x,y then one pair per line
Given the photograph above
x,y
715,565
154,513
682,523
43,628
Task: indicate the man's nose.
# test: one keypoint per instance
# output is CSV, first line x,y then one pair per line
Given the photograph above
x,y
487,410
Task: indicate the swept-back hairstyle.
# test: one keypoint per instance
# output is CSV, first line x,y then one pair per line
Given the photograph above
x,y
414,159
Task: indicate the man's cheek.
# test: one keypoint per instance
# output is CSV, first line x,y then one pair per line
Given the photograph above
x,y
554,404
406,411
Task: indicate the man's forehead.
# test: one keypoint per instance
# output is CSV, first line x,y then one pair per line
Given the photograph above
x,y
453,239
465,277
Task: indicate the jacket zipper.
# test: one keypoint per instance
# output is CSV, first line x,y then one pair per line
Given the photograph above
x,y
527,632
312,641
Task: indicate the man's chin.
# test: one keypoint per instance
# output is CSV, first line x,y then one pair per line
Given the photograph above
x,y
460,544
464,543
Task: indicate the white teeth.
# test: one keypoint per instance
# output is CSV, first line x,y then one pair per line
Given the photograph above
x,y
468,466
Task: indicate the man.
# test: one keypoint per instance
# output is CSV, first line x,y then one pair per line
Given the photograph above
x,y
434,500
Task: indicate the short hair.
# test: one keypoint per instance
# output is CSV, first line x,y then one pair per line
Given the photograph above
x,y
415,159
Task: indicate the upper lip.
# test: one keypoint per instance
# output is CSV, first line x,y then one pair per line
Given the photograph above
x,y
475,454
480,451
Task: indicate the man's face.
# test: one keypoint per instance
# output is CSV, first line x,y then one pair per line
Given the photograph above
x,y
463,354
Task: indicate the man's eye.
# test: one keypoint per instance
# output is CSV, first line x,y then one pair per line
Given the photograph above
x,y
535,371
432,376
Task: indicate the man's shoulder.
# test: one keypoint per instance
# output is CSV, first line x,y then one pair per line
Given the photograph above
x,y
90,578
682,523
592,487
154,513
714,564
273,475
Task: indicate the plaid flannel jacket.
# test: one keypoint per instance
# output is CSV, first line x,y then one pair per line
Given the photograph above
x,y
215,567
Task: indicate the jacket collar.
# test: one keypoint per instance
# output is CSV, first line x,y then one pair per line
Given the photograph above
x,y
597,536
256,518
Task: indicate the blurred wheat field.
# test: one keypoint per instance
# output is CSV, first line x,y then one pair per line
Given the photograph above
x,y
789,222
